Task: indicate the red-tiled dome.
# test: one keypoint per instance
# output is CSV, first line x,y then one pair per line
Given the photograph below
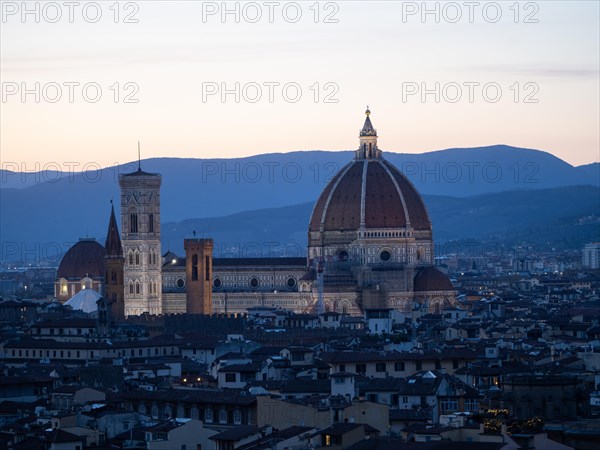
x,y
431,279
85,258
369,191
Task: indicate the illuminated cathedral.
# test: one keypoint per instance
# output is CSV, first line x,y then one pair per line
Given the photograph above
x,y
370,246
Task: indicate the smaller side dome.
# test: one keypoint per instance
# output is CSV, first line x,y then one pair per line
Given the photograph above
x,y
432,279
84,259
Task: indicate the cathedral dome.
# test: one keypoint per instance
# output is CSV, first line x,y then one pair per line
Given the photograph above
x,y
369,193
370,213
85,258
432,279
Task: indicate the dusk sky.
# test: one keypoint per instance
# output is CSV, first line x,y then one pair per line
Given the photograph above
x,y
546,66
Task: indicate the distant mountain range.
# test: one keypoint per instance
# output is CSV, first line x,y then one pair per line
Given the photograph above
x,y
43,212
564,217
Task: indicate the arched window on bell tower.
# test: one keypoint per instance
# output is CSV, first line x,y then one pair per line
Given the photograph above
x,y
133,222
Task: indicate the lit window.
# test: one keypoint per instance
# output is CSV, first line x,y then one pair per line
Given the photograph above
x,y
86,283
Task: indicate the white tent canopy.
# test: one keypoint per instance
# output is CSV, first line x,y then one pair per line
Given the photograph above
x,y
84,300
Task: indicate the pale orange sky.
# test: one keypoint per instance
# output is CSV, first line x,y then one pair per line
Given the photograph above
x,y
374,53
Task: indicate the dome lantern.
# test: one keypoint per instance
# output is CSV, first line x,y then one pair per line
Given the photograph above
x,y
368,140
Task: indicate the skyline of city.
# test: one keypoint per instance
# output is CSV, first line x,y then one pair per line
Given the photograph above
x,y
196,263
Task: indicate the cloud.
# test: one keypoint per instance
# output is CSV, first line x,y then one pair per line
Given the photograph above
x,y
540,70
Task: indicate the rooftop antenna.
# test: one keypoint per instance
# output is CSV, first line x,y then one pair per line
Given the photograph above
x,y
139,157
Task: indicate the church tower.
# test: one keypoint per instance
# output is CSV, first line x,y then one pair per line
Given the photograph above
x,y
140,227
114,290
198,274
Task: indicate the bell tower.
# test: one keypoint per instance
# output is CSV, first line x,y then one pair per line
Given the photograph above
x,y
140,228
198,275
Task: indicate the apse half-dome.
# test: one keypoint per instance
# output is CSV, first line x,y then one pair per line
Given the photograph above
x,y
430,279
